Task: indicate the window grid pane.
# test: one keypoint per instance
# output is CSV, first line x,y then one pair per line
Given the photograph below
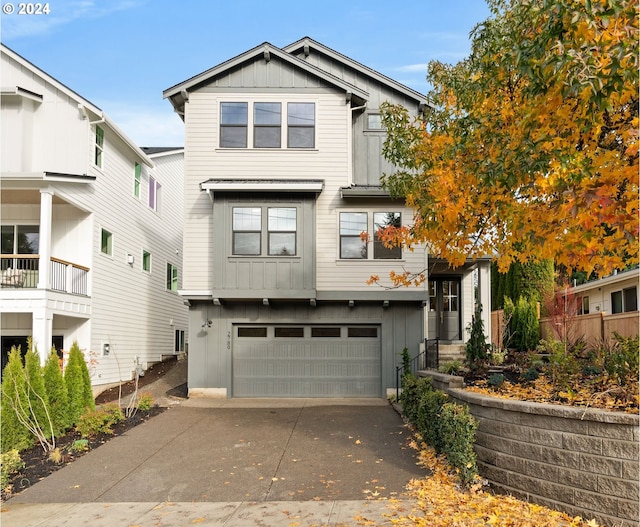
x,y
106,242
382,220
353,231
233,124
301,124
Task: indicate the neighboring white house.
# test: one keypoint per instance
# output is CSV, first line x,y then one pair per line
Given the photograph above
x,y
282,204
617,293
91,230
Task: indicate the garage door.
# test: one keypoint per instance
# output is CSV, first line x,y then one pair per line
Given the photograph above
x,y
306,361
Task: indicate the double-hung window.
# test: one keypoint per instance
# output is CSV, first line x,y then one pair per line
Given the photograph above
x,y
99,147
267,129
282,231
146,261
247,231
249,236
357,229
353,235
301,124
233,124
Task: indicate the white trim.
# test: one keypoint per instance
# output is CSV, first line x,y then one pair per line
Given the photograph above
x,y
271,185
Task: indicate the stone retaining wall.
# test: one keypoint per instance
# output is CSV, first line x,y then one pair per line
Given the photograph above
x,y
582,462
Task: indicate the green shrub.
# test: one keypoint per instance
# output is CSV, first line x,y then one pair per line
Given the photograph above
x,y
457,435
99,421
476,348
56,393
79,445
531,374
524,326
496,380
145,402
13,433
38,414
621,360
452,367
447,427
78,383
10,463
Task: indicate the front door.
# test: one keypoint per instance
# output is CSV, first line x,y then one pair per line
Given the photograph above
x,y
444,309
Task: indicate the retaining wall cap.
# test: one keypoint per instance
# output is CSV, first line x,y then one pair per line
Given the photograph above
x,y
556,410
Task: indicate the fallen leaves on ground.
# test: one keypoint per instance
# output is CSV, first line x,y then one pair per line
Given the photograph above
x,y
440,502
579,393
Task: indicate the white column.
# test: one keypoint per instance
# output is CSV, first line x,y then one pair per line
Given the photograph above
x,y
484,295
42,332
46,209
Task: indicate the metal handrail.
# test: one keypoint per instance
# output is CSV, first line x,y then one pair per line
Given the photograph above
x,y
421,361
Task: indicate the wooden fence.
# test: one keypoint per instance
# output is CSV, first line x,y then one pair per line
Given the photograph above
x,y
593,328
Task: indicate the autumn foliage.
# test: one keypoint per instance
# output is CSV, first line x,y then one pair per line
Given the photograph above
x,y
530,148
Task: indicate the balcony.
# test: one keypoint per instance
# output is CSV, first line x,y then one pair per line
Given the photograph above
x,y
21,271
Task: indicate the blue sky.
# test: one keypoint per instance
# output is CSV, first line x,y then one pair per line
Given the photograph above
x,y
121,54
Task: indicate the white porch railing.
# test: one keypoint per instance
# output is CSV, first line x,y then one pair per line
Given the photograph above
x,y
22,271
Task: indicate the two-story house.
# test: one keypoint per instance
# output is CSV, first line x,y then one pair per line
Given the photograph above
x,y
283,203
91,230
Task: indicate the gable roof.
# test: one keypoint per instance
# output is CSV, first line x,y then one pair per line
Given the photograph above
x,y
178,95
305,45
85,106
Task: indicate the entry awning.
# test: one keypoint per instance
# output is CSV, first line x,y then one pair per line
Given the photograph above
x,y
263,185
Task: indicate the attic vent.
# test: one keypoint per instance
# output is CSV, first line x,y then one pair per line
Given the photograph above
x,y
306,50
267,55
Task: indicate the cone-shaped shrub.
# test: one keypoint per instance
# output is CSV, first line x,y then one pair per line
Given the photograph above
x,y
57,394
78,383
13,434
38,413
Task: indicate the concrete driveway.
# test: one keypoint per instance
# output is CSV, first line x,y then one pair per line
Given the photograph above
x,y
284,451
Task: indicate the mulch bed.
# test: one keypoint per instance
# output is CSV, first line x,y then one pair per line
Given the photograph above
x,y
37,463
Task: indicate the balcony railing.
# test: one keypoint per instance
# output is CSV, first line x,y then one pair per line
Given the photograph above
x,y
22,271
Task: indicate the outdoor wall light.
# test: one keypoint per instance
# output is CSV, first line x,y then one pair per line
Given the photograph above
x,y
106,348
130,259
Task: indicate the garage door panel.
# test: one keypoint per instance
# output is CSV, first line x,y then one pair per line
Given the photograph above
x,y
307,366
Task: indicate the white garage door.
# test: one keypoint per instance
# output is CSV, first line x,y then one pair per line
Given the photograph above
x,y
306,361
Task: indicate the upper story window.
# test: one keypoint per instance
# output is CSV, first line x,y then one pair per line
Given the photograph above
x,y
233,124
154,194
146,261
301,124
267,129
106,242
99,148
374,122
172,277
248,232
357,229
137,179
20,239
265,120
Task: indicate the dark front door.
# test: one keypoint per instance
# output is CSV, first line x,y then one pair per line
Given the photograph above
x,y
444,309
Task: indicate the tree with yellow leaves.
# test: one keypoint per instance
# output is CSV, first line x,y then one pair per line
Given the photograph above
x,y
530,148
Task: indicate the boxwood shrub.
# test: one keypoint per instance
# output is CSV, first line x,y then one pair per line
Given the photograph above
x,y
447,427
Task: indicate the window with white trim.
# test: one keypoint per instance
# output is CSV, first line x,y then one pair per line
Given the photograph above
x,y
357,229
172,277
146,261
249,237
106,242
265,121
179,341
99,147
154,194
137,179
